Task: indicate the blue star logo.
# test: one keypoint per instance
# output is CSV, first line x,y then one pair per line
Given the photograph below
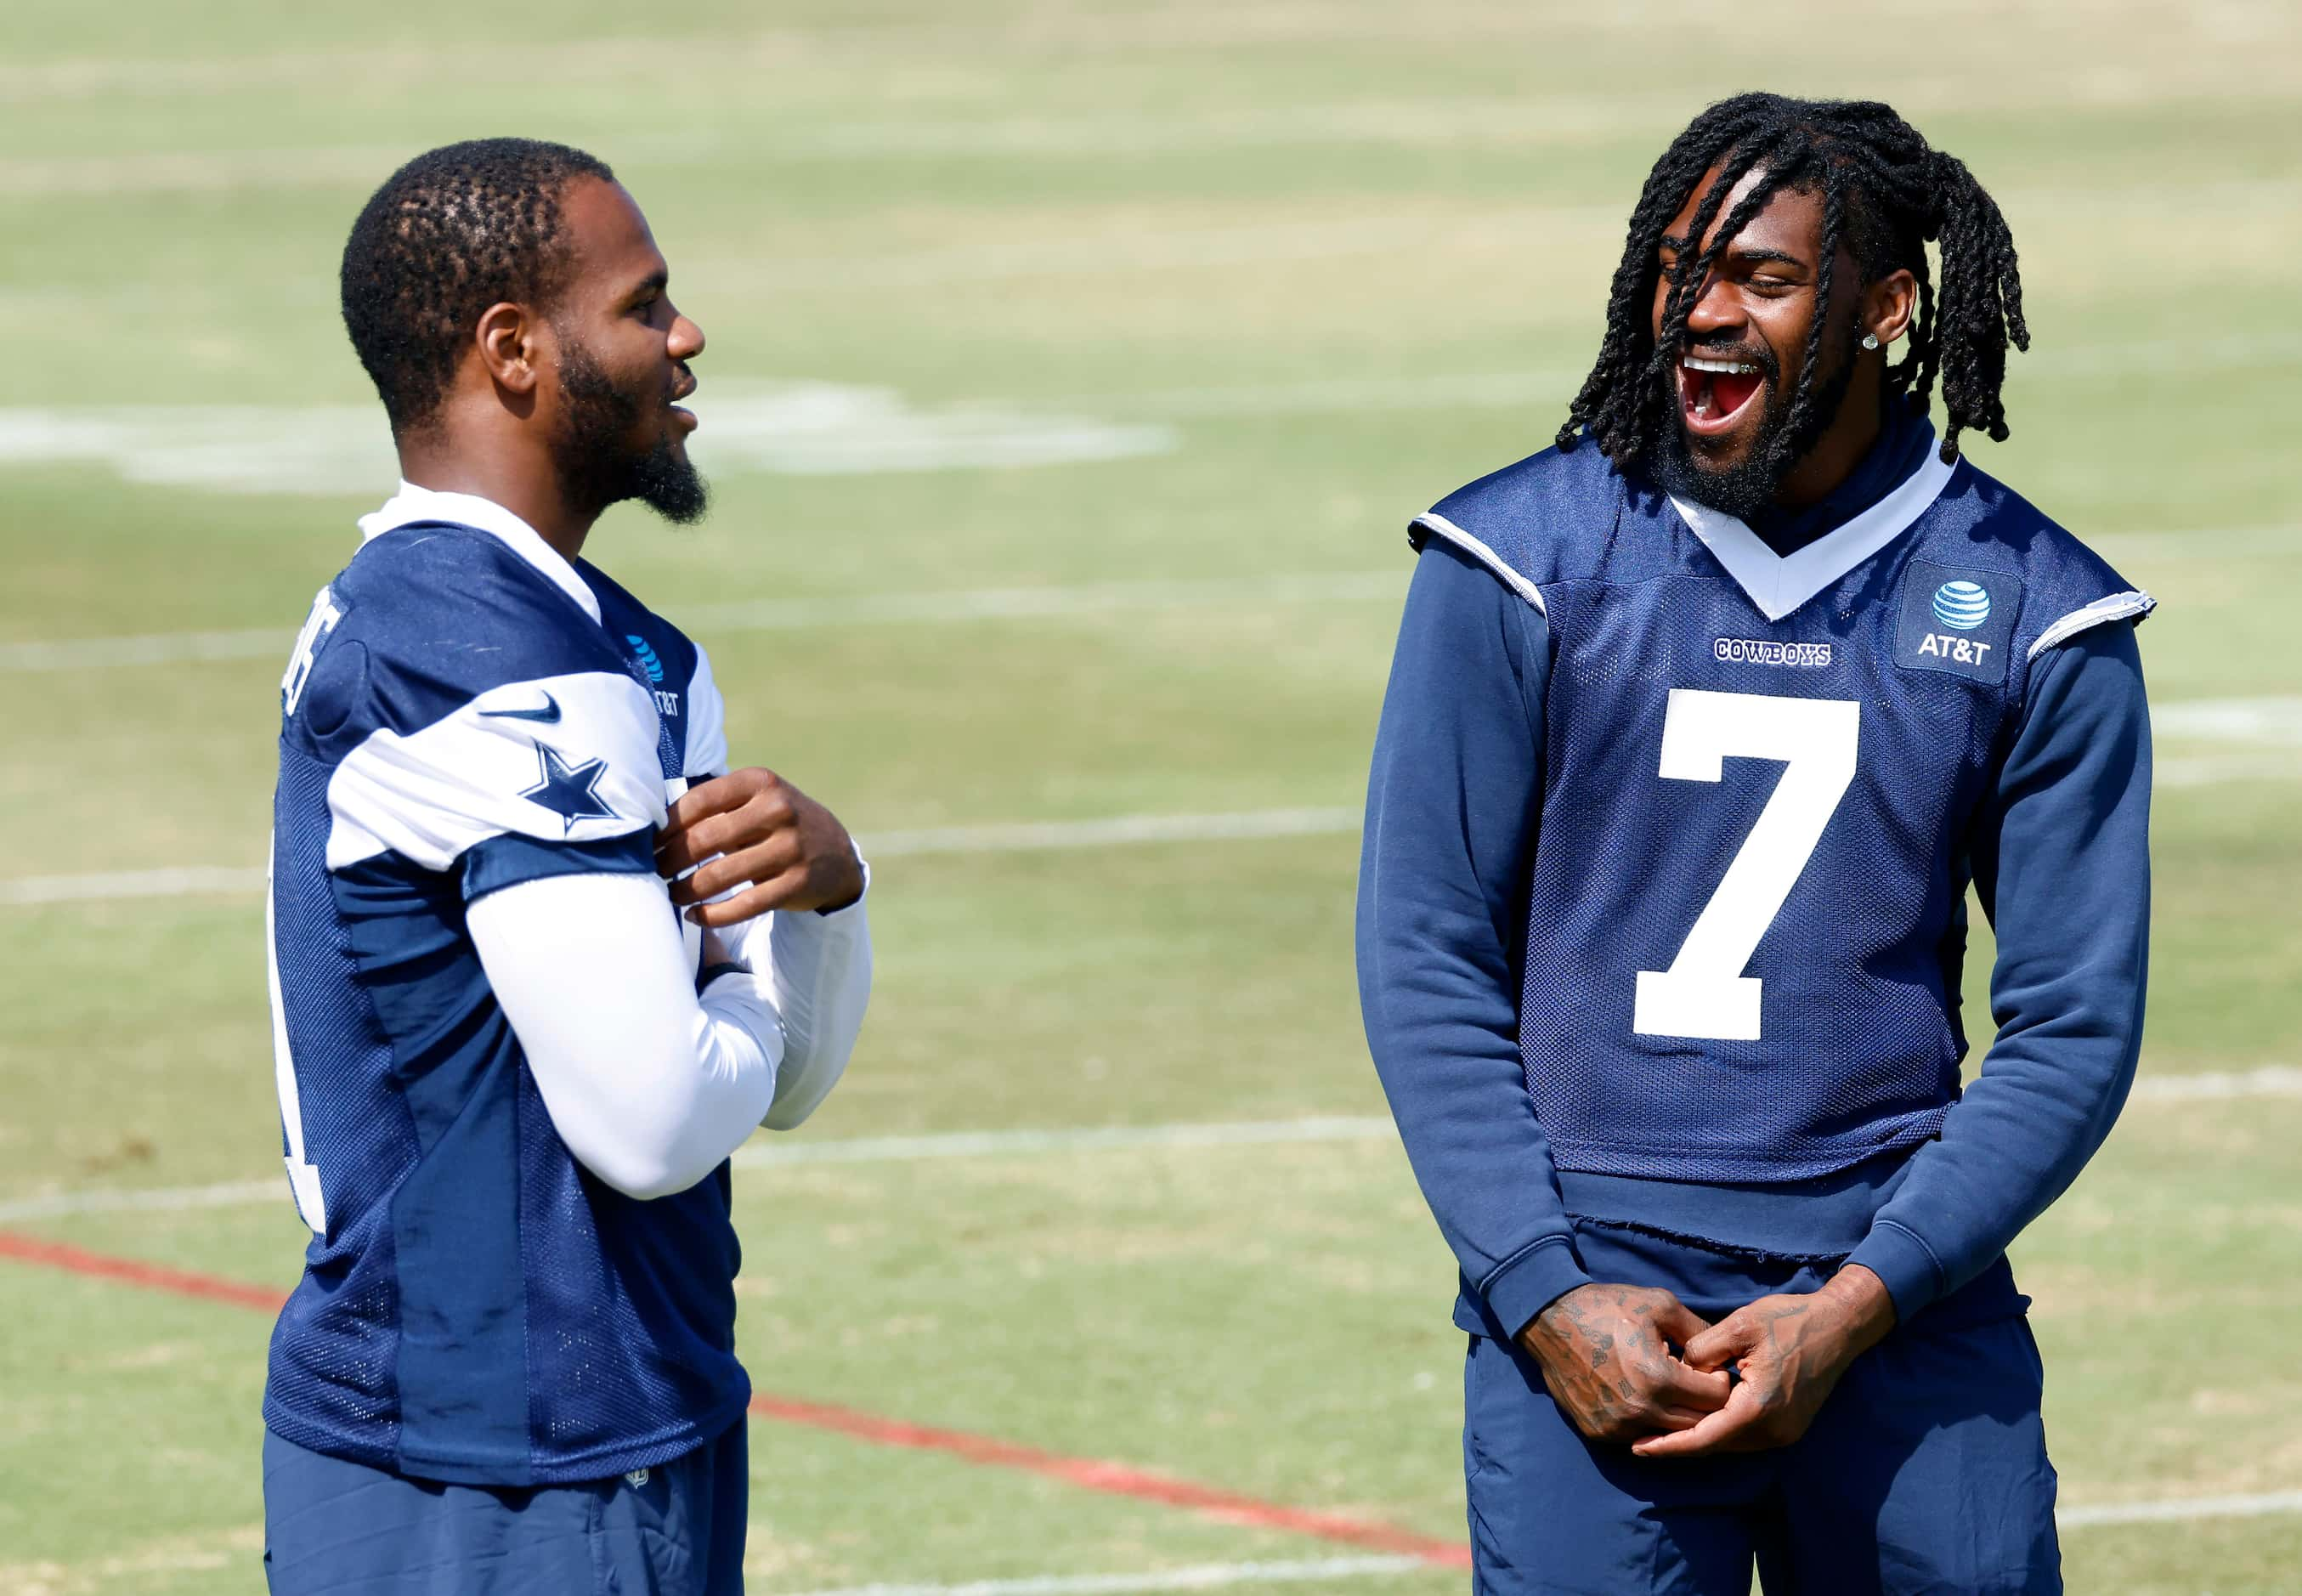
x,y
571,791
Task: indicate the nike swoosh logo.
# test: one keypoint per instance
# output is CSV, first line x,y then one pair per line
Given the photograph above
x,y
548,714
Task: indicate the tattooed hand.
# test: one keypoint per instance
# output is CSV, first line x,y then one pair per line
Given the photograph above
x,y
1606,1356
1789,1352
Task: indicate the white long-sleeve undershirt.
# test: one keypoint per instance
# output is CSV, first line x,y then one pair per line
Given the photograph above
x,y
650,1084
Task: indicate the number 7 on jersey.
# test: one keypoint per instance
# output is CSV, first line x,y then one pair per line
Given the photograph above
x,y
1704,993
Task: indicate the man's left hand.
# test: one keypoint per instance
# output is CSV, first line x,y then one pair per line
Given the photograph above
x,y
1789,1351
765,831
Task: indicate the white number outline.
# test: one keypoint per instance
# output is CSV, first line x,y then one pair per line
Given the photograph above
x,y
1704,993
318,626
303,1175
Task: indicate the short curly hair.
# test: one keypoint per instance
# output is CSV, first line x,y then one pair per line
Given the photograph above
x,y
455,230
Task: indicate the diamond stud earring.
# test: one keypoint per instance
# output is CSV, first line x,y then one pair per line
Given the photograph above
x,y
1870,340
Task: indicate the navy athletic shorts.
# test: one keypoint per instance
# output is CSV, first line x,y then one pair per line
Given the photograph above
x,y
1925,1470
673,1530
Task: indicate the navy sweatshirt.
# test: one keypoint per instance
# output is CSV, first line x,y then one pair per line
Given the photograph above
x,y
2060,865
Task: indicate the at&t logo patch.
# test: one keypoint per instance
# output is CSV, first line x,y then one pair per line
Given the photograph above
x,y
1955,648
1960,621
1963,605
647,661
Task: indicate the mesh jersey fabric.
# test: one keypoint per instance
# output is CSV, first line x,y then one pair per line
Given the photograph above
x,y
1702,762
476,1306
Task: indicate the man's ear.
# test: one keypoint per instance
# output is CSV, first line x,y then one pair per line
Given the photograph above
x,y
510,341
1889,305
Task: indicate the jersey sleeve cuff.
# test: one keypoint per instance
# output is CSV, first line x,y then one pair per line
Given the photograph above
x,y
1905,1265
864,865
1532,1281
510,859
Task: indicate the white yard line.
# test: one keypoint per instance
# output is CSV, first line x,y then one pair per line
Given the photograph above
x,y
2210,1086
1166,247
1032,603
2245,68
1118,831
1052,602
2236,542
2273,721
2272,1081
776,1153
1444,123
161,1199
2169,775
1411,389
1200,1576
2267,733
193,881
158,648
1213,1576
2175,1509
816,427
1090,254
2270,725
1028,837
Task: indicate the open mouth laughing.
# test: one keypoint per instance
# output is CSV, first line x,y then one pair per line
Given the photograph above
x,y
1713,391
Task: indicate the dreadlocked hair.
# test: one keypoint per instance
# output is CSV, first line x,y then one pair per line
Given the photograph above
x,y
1886,195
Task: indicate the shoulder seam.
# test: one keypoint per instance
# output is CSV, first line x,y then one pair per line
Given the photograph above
x,y
1431,521
480,544
2115,607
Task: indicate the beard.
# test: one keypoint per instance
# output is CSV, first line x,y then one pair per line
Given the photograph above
x,y
1747,488
596,467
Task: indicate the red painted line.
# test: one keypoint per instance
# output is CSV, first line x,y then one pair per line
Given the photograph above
x,y
1112,1479
1115,1479
56,1255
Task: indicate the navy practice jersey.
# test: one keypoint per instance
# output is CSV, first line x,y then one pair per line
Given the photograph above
x,y
1745,922
476,1306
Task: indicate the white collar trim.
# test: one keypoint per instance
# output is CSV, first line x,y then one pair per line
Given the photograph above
x,y
1779,583
412,503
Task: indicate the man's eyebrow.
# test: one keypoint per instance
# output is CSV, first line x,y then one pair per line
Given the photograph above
x,y
1740,251
654,282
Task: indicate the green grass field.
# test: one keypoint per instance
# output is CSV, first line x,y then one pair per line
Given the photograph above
x,y
1135,333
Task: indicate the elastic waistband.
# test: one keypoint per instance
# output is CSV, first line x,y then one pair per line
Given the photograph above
x,y
1799,1221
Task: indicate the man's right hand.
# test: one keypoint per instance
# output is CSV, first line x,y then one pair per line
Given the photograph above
x,y
752,826
1606,1353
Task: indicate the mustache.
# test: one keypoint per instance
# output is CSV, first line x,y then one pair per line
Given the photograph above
x,y
1757,354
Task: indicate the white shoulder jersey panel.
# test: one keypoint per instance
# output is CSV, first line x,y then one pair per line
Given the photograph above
x,y
563,758
707,721
2133,604
1518,580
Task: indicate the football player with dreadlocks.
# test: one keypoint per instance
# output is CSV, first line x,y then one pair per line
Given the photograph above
x,y
1700,727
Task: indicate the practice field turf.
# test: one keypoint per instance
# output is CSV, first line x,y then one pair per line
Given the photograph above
x,y
1074,372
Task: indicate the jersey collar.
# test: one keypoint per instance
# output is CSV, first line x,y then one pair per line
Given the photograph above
x,y
412,504
1778,584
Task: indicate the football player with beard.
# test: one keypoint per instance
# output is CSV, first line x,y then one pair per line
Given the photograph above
x,y
1700,727
511,1074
